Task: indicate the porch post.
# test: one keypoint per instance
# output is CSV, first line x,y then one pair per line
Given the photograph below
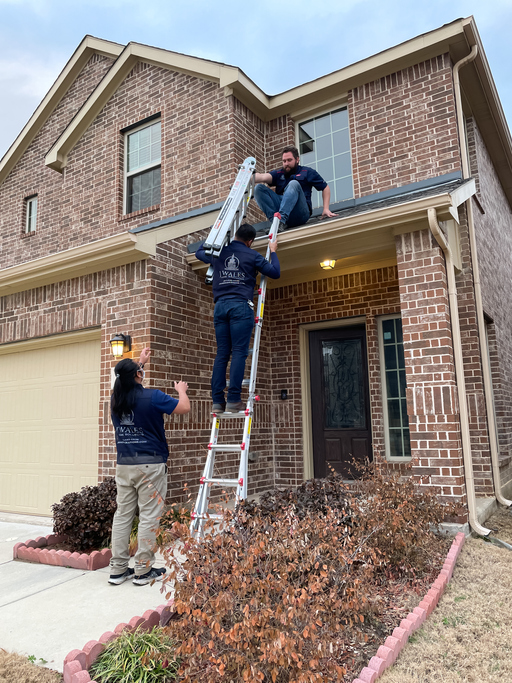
x,y
432,404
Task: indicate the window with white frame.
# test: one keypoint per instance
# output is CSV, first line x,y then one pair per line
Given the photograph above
x,y
30,214
324,144
142,166
394,385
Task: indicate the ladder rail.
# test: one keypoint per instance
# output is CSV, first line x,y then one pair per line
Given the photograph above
x,y
233,210
200,514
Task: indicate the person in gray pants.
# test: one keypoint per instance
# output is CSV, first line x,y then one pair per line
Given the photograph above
x,y
141,470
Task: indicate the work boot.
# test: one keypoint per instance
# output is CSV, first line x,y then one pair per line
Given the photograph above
x,y
235,407
218,408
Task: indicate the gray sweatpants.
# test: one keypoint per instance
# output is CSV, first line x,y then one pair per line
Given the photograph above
x,y
144,486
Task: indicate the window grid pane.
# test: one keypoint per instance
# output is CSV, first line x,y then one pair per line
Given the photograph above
x,y
143,190
322,141
31,212
395,383
143,147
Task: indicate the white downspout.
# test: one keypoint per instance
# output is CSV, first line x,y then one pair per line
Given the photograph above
x,y
459,373
484,351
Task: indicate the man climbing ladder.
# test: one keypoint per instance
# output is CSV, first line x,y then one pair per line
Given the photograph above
x,y
234,279
233,270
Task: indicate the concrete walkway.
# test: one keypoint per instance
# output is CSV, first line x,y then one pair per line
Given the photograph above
x,y
48,611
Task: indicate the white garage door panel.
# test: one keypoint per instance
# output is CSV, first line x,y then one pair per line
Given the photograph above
x,y
49,402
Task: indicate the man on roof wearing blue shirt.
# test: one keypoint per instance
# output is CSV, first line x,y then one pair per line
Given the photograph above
x,y
234,278
292,198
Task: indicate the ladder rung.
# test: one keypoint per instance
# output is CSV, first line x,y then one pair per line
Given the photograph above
x,y
224,447
230,415
220,482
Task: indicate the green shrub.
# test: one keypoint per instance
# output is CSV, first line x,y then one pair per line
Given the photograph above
x,y
86,517
138,657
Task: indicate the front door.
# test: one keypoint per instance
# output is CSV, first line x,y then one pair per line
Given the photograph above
x,y
340,400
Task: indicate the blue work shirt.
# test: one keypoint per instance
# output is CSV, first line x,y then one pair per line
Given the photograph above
x,y
140,435
235,269
305,176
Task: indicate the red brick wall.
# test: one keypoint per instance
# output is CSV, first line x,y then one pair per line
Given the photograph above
x,y
493,227
31,176
368,294
403,127
432,404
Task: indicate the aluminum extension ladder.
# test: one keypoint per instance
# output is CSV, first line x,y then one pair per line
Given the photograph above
x,y
200,513
232,213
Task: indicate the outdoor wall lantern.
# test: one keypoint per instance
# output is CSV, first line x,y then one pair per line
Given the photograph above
x,y
328,265
119,344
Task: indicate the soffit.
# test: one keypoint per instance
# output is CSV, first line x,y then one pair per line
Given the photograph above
x,y
357,242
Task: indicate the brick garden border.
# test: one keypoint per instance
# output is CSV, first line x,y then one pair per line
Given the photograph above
x,y
394,644
38,551
77,662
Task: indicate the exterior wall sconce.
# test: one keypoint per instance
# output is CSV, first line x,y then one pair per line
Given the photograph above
x,y
328,265
120,344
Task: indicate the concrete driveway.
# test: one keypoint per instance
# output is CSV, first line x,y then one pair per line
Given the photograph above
x,y
48,611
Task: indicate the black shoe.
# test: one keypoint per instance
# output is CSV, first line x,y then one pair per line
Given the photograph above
x,y
282,227
116,579
152,575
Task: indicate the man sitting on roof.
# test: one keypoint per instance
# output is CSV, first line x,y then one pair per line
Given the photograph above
x,y
292,198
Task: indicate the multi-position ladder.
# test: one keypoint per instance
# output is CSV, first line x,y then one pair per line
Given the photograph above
x,y
224,230
232,213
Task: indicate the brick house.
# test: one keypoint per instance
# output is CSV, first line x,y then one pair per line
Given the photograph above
x,y
120,172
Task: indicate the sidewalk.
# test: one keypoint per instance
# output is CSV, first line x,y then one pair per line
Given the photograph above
x,y
48,611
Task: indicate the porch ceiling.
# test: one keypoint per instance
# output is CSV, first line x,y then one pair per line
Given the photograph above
x,y
357,242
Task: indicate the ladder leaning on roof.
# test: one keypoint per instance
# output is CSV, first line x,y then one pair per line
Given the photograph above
x,y
230,218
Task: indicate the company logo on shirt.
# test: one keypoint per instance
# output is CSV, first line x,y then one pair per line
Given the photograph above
x,y
232,263
127,419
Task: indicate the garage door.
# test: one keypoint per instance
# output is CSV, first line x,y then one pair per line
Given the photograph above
x,y
49,398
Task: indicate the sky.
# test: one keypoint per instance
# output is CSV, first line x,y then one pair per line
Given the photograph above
x,y
278,45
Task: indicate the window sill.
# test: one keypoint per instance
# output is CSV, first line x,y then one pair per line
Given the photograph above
x,y
140,212
25,235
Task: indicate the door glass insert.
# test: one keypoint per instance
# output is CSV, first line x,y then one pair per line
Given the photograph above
x,y
344,397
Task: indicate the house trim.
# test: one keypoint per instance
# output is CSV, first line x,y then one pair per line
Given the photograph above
x,y
90,334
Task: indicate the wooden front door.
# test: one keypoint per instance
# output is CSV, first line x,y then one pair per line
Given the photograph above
x,y
340,399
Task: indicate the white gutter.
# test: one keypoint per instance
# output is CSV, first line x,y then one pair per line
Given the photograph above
x,y
459,373
484,351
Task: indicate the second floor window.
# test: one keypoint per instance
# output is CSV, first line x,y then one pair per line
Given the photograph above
x,y
142,167
30,214
324,144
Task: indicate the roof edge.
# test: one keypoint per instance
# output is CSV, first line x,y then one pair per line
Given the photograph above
x,y
89,46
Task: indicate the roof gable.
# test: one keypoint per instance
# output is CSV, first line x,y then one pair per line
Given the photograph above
x,y
87,48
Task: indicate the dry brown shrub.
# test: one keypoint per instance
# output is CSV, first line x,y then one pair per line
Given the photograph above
x,y
277,597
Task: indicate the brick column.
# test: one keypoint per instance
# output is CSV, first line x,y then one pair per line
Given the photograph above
x,y
432,404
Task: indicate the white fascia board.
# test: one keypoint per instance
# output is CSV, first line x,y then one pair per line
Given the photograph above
x,y
460,195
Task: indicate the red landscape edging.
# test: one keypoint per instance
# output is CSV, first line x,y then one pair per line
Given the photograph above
x,y
38,551
393,645
77,662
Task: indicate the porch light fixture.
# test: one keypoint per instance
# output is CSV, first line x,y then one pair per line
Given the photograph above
x,y
328,265
120,344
